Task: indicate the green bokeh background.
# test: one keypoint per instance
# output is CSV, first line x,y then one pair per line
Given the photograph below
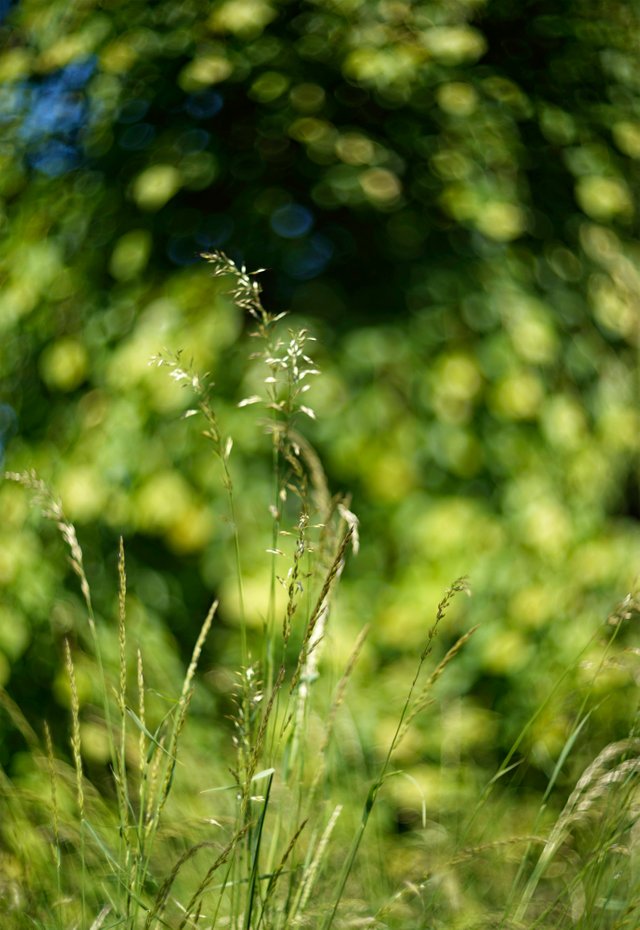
x,y
446,194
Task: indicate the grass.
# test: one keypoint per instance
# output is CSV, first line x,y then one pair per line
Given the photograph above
x,y
274,826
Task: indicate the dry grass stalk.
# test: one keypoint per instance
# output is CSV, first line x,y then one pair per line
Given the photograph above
x,y
597,781
142,715
76,747
211,871
461,585
310,873
165,888
183,706
424,698
315,625
122,631
292,582
277,872
120,766
470,852
54,797
51,508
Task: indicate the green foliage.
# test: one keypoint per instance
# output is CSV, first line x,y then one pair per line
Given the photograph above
x,y
447,188
447,193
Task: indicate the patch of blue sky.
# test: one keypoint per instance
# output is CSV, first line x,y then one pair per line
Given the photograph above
x,y
53,113
75,75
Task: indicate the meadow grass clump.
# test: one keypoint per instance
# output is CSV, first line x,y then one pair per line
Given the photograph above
x,y
269,858
259,828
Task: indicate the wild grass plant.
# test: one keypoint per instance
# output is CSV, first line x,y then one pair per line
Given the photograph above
x,y
267,828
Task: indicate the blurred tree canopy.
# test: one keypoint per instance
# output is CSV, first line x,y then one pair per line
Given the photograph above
x,y
447,191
